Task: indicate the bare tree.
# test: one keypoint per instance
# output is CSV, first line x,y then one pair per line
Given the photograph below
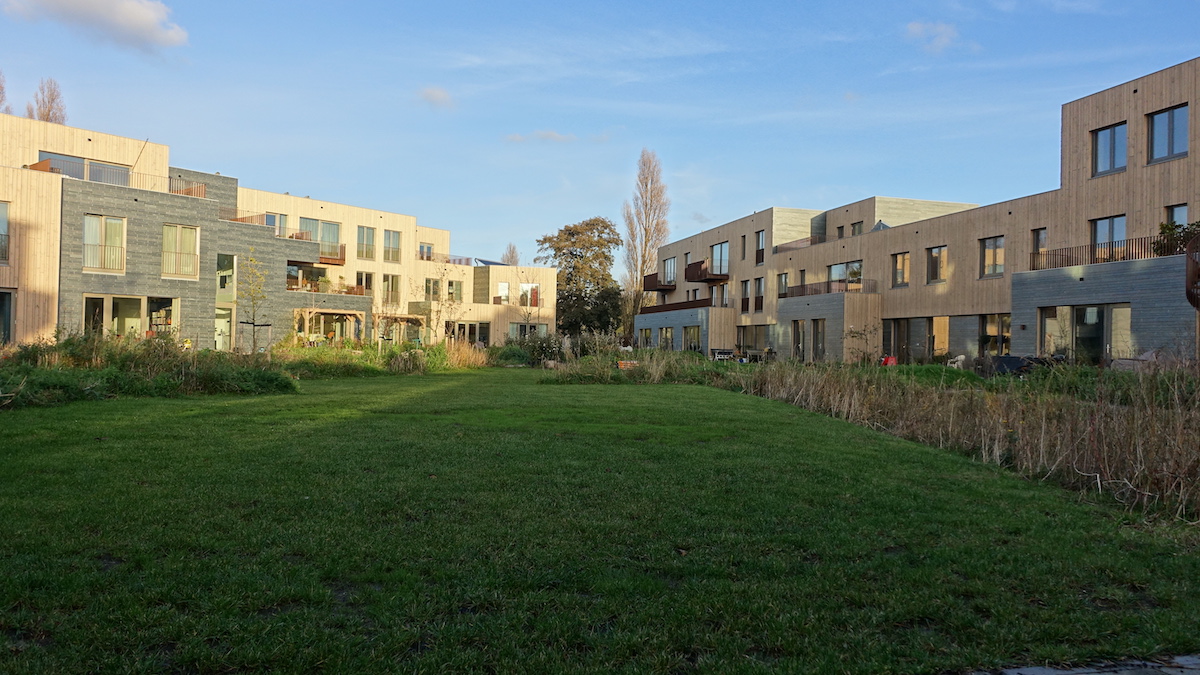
x,y
4,106
48,104
646,229
511,256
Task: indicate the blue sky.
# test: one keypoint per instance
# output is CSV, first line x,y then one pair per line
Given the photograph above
x,y
503,121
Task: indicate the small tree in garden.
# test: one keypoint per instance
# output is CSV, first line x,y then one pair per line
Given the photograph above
x,y
252,294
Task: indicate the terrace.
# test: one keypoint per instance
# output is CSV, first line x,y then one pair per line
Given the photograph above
x,y
112,174
1141,248
836,286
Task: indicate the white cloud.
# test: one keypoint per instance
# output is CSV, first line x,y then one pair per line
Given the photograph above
x,y
545,135
437,97
936,36
142,24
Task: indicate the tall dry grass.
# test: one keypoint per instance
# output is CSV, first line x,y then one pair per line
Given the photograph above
x,y
1140,444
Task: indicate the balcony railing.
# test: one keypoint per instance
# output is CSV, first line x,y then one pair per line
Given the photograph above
x,y
314,286
3,248
839,286
1140,248
444,258
180,264
97,172
107,258
703,271
671,307
391,254
366,251
800,243
332,253
390,298
240,216
651,283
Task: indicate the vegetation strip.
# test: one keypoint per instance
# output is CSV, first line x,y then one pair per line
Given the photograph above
x,y
478,521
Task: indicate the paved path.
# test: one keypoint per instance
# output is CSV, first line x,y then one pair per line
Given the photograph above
x,y
1180,665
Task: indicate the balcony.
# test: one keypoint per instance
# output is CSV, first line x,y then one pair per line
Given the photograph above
x,y
651,283
111,174
703,271
1140,248
800,243
180,265
332,253
366,251
673,306
451,259
838,286
105,258
315,286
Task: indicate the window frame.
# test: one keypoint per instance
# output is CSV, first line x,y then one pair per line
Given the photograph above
x,y
195,253
901,273
936,274
1113,151
1171,118
669,271
391,253
103,236
991,257
1172,210
4,240
719,265
366,249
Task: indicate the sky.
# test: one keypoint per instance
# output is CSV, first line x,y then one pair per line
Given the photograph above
x,y
504,121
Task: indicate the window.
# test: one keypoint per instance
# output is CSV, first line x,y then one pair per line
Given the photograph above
x,y
1177,214
180,251
666,338
3,232
644,337
86,169
1169,134
391,289
531,295
309,228
841,231
526,330
720,258
760,284
277,222
103,243
364,283
128,316
331,237
760,247
391,246
6,312
366,243
691,338
433,289
687,259
425,251
1108,230
745,295
818,339
227,278
1089,333
856,228
743,247
1108,149
995,334
1039,240
720,295
991,257
454,291
900,264
502,293
935,265
782,284
669,271
848,271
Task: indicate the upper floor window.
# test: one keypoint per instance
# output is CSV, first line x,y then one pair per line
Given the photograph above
x,y
687,258
1108,230
760,247
531,295
935,264
391,246
783,284
277,222
365,281
366,243
720,258
433,289
180,251
856,228
900,264
1169,134
1109,149
1177,214
502,293
841,231
1039,241
3,232
669,271
391,289
104,243
991,257
848,271
425,251
454,291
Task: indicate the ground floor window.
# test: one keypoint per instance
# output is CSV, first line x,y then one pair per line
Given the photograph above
x,y
916,340
818,339
1088,333
752,338
6,315
666,338
644,339
524,330
691,338
469,332
995,334
799,335
130,316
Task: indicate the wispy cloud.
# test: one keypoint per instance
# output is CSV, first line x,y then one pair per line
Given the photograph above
x,y
544,135
437,97
701,218
936,37
140,24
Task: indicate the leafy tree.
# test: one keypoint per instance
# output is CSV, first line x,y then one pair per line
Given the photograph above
x,y
646,229
1174,237
252,293
48,104
588,297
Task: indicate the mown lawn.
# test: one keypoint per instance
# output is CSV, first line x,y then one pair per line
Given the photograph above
x,y
481,521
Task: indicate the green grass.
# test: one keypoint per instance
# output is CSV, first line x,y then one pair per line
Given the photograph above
x,y
480,521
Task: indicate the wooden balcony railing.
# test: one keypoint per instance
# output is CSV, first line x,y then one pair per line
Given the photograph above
x,y
673,306
1140,248
107,258
840,286
651,283
332,253
703,271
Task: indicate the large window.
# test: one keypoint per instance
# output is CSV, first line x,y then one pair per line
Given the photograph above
x,y
531,295
501,293
991,257
666,338
1088,333
720,258
103,243
935,265
364,283
277,222
1169,134
850,272
129,316
856,228
391,289
760,287
644,338
3,232
366,243
691,338
669,271
433,290
782,284
391,246
1108,149
180,251
1106,231
900,264
454,291
425,251
995,334
6,312
760,247
1177,214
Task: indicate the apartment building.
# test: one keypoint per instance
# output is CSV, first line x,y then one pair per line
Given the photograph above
x,y
1078,271
101,233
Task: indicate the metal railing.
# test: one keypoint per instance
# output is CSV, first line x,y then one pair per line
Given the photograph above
x,y
391,254
107,258
651,283
838,286
97,172
1140,248
240,216
366,251
180,264
332,253
444,258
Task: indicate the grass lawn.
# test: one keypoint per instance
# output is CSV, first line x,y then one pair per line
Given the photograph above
x,y
481,521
